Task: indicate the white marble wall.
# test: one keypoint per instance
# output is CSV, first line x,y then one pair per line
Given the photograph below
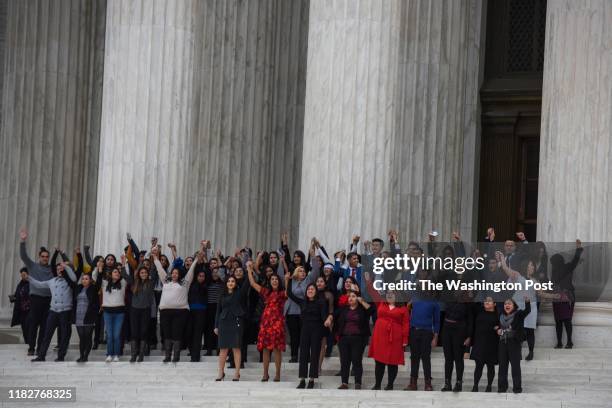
x,y
247,123
391,105
46,114
146,114
575,183
202,122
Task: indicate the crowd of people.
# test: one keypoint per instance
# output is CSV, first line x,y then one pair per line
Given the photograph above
x,y
216,303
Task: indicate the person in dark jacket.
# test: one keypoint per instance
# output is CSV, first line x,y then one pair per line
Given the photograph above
x,y
21,304
352,330
562,275
485,343
458,323
229,323
142,305
511,334
86,307
314,317
198,301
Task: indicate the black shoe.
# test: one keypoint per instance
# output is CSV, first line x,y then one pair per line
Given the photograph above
x,y
31,353
302,384
376,387
59,359
209,353
569,345
168,350
447,387
559,346
95,346
176,348
80,359
34,360
529,356
293,360
310,385
389,387
488,389
143,350
517,390
220,378
475,388
458,387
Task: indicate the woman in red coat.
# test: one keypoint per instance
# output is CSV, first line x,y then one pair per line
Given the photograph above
x,y
390,336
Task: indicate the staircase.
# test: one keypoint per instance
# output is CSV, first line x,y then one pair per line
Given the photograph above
x,y
555,378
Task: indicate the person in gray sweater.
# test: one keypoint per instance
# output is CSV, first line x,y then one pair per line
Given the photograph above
x,y
143,303
39,297
60,311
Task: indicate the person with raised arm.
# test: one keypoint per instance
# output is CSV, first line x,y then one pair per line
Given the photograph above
x,y
173,306
511,332
86,308
143,302
485,343
40,297
230,324
314,315
60,310
198,303
390,335
114,285
271,336
352,330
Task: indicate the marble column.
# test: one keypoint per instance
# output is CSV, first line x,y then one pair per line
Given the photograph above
x,y
146,114
46,116
391,112
248,123
575,182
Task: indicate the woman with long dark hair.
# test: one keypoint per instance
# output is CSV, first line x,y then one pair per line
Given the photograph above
x,y
458,325
21,303
352,330
198,302
271,336
143,302
113,304
229,324
173,306
314,317
485,343
326,294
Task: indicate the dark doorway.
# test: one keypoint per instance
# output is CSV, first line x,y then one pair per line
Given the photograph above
x,y
511,98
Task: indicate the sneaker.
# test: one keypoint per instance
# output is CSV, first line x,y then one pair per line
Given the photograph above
x,y
37,359
310,385
529,356
116,359
108,359
302,384
569,345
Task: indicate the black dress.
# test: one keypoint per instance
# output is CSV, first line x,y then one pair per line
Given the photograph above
x,y
485,341
231,311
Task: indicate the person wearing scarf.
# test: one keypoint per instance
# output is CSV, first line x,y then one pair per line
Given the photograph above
x,y
511,332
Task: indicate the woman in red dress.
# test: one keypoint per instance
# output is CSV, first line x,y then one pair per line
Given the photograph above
x,y
390,336
271,336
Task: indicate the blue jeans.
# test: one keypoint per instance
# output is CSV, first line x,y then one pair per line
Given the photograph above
x,y
113,323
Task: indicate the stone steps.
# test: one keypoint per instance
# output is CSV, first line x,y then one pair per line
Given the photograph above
x,y
555,378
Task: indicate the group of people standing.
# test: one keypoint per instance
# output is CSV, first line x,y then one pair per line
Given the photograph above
x,y
222,304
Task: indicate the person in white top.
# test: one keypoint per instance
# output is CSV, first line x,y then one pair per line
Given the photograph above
x,y
173,306
113,306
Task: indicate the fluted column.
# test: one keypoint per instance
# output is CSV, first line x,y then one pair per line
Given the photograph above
x,y
46,113
146,114
575,182
248,122
391,111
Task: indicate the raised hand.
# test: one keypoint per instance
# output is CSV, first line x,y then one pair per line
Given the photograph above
x,y
491,233
356,239
23,234
456,236
285,238
520,236
578,243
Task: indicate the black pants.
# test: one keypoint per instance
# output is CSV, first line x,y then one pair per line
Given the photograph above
x,y
351,353
559,328
420,350
197,322
509,353
23,323
294,324
453,337
139,323
209,329
85,341
478,372
379,372
530,334
37,320
154,323
310,348
99,328
62,322
173,323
